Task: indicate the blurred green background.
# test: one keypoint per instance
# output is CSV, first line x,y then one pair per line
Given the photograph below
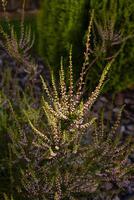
x,y
62,24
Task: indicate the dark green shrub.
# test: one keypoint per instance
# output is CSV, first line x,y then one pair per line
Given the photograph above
x,y
60,25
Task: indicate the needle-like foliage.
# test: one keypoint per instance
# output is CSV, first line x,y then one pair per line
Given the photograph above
x,y
18,46
60,162
49,143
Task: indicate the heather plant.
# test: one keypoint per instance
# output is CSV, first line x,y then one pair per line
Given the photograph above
x,y
12,119
24,74
113,32
6,197
58,162
58,149
4,154
18,48
62,164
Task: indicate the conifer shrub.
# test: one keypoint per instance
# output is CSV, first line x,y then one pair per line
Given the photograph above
x,y
60,25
